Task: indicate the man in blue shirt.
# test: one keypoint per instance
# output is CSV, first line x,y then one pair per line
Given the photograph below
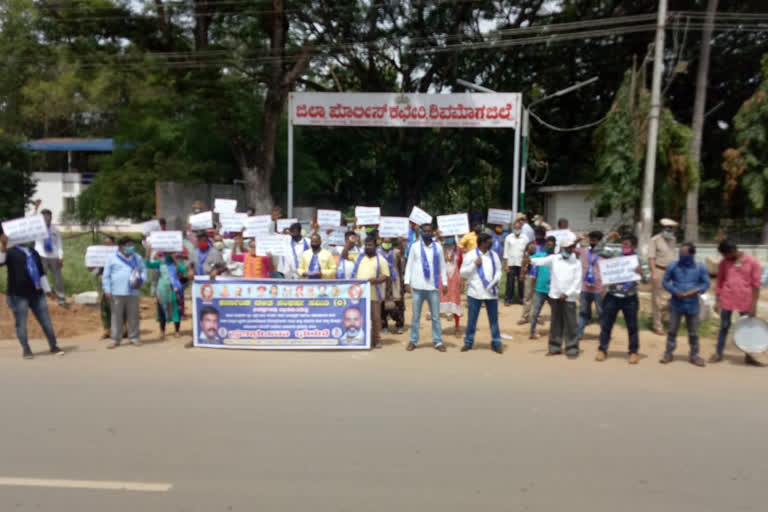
x,y
124,273
541,292
685,280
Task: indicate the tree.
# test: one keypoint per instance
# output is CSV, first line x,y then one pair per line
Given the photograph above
x,y
748,162
17,185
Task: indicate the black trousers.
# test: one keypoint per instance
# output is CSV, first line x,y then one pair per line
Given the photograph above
x,y
515,281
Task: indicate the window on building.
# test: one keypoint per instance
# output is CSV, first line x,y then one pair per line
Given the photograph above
x,y
69,205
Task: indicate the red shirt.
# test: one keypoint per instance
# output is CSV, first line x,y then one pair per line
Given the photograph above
x,y
735,281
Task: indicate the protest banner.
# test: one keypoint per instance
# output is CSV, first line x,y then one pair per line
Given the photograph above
x,y
225,205
419,216
201,221
619,270
258,225
150,226
559,234
280,314
336,236
96,256
232,222
276,245
283,224
393,227
453,225
501,217
165,241
25,229
328,218
367,215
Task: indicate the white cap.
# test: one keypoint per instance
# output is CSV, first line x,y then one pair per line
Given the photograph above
x,y
669,223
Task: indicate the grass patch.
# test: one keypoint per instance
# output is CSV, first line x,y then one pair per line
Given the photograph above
x,y
706,329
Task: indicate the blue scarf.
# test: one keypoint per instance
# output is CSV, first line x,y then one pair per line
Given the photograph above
x,y
201,256
435,264
174,275
390,257
314,267
411,240
132,263
378,270
590,277
293,250
48,242
32,268
481,273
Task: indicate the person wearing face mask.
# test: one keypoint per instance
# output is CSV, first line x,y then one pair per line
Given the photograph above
x,y
347,255
541,285
425,274
124,273
289,265
621,297
169,291
27,287
564,290
253,266
685,280
498,236
482,270
372,267
526,228
208,256
514,247
662,250
450,299
393,305
51,250
316,262
592,286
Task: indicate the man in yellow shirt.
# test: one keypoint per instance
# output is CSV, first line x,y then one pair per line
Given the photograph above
x,y
316,262
468,242
372,267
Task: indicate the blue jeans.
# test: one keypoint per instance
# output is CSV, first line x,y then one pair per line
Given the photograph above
x,y
20,305
585,309
725,326
433,298
691,322
492,306
629,307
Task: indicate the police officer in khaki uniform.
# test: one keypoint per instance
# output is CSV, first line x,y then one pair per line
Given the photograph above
x,y
662,250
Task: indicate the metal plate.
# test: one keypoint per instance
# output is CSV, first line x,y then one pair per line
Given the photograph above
x,y
751,335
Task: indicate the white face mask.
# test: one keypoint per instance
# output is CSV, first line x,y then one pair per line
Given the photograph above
x,y
669,233
218,245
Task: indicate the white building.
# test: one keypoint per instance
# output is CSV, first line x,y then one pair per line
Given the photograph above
x,y
571,202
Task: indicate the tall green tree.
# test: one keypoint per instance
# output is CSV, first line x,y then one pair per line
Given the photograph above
x,y
16,183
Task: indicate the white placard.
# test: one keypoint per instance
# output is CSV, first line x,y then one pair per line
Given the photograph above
x,y
25,229
96,256
393,227
232,222
452,225
419,216
225,205
328,218
336,236
258,225
619,270
283,224
165,241
276,245
560,234
150,226
367,215
501,217
201,221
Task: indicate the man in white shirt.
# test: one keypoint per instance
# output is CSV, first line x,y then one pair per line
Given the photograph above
x,y
525,227
514,246
482,270
564,291
425,273
289,265
52,253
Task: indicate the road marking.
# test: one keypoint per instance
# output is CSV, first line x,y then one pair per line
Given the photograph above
x,y
85,484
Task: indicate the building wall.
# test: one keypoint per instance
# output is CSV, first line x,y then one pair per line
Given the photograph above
x,y
574,206
54,189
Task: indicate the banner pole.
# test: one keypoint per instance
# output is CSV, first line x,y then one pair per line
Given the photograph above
x,y
516,165
290,155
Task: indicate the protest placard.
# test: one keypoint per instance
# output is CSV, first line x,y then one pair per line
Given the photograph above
x,y
560,234
619,270
283,224
419,216
225,205
367,215
328,218
336,236
25,229
201,221
96,256
393,227
279,314
258,225
150,226
232,222
452,225
165,241
276,245
500,217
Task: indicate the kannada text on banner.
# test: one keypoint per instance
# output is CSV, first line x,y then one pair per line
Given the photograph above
x,y
280,314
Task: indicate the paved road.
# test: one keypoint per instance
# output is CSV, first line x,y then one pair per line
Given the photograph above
x,y
389,430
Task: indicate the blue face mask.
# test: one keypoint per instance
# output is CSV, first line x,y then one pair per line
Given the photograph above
x,y
686,260
450,241
129,250
566,254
